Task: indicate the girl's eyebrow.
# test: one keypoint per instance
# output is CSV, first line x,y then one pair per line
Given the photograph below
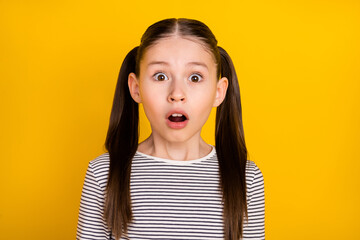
x,y
189,63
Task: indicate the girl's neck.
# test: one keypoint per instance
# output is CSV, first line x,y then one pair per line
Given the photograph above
x,y
190,150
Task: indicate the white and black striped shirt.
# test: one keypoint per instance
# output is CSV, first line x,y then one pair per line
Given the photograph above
x,y
170,199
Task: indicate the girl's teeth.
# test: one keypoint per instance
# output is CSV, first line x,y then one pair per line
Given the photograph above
x,y
176,115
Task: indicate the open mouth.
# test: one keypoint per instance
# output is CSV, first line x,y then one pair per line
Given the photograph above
x,y
177,117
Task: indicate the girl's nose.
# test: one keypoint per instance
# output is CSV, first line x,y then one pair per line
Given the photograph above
x,y
176,97
176,94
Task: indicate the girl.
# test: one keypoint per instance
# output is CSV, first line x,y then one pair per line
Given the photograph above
x,y
174,185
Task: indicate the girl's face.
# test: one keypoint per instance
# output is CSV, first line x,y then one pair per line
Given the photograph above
x,y
178,87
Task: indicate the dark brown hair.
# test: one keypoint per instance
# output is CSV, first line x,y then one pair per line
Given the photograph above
x,y
123,133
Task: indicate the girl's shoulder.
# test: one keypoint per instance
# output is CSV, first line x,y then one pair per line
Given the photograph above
x,y
99,169
101,161
254,176
252,169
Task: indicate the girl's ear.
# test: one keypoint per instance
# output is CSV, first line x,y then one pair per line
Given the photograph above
x,y
221,88
134,89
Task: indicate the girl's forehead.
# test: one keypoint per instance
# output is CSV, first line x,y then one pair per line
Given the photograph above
x,y
177,49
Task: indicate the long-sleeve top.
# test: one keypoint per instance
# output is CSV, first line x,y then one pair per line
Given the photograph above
x,y
170,199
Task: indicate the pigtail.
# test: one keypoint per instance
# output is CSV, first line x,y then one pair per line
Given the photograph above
x,y
121,143
231,152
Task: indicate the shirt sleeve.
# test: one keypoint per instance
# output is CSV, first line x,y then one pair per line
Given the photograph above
x,y
91,224
255,226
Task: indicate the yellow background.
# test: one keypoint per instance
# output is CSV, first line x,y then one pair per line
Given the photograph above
x,y
298,64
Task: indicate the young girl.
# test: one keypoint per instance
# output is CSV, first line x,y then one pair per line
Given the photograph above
x,y
174,185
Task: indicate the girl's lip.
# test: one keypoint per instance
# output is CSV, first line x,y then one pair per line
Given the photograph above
x,y
177,111
176,125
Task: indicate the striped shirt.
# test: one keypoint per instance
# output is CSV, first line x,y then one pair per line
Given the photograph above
x,y
170,199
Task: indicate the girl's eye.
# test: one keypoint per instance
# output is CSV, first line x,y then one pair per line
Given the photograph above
x,y
195,77
160,77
